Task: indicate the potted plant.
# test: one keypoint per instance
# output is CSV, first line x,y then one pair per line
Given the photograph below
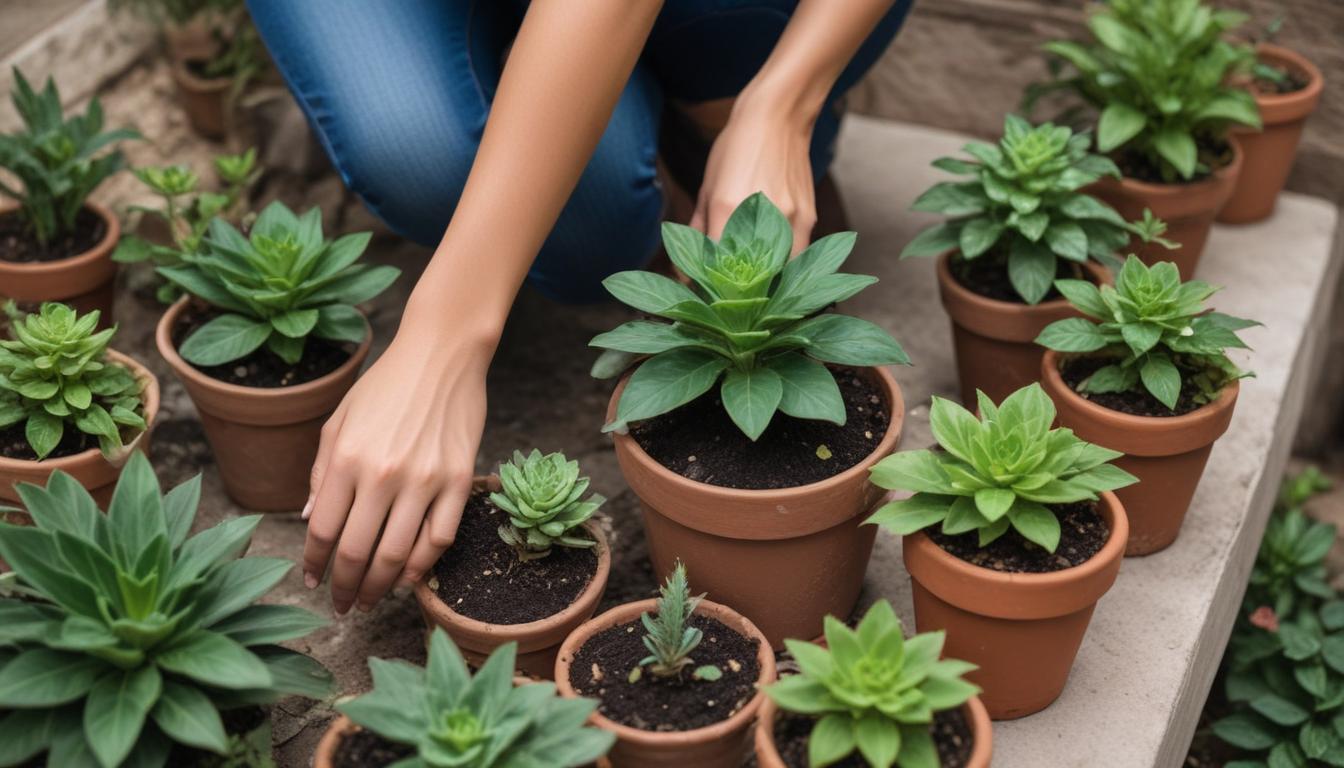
x,y
445,716
1146,373
69,403
1157,73
133,644
869,691
1011,230
1011,537
758,484
267,342
55,243
528,566
684,691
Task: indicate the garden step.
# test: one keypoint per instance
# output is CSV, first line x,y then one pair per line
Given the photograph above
x,y
1150,656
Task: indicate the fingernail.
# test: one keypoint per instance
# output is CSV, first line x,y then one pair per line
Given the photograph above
x,y
365,607
307,509
404,585
341,610
309,580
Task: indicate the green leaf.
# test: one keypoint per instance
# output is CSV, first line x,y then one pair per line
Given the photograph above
x,y
905,516
979,235
1072,334
27,732
935,240
1035,523
236,584
267,624
648,292
45,678
187,716
918,471
1084,296
688,248
356,285
645,338
1178,148
808,390
1279,710
213,659
1140,336
43,432
848,340
756,219
751,398
1118,124
667,381
832,738
878,739
1246,731
1162,379
224,339
954,427
115,712
296,323
340,322
994,503
1031,269
1067,239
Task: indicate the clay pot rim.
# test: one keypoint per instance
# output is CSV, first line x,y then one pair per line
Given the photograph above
x,y
163,339
188,79
630,612
1220,176
149,397
1304,99
965,295
93,254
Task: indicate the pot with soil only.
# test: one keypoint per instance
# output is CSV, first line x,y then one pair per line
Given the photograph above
x,y
484,596
76,270
264,435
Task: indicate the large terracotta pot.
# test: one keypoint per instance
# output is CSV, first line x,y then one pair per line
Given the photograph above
x,y
1166,453
785,558
264,439
982,735
93,471
538,641
995,341
1023,630
206,101
1188,210
1270,152
721,745
84,281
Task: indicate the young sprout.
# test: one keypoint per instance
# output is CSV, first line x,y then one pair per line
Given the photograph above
x,y
669,640
542,497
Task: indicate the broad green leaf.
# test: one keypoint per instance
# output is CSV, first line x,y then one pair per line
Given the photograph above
x,y
1031,270
954,427
266,624
296,323
646,338
340,322
40,677
187,716
756,219
935,240
832,738
918,471
667,381
848,340
1178,148
648,292
751,398
211,658
905,516
878,739
808,390
224,339
1036,524
1161,379
1072,334
115,712
1118,124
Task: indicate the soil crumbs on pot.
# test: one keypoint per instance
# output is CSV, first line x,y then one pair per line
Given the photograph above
x,y
602,667
237,722
700,442
366,749
987,275
1214,155
18,245
481,577
263,368
1136,403
14,445
1083,532
951,735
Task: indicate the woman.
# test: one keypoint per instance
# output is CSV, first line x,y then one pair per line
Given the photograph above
x,y
521,139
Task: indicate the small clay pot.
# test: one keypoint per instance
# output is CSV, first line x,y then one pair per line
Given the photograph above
x,y
1022,630
786,558
1270,152
84,281
721,745
1166,453
264,439
206,101
95,472
538,641
982,735
995,341
1188,209
325,755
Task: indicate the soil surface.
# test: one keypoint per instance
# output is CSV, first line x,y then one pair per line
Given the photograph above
x,y
236,721
699,441
1136,403
951,735
14,444
263,368
1292,82
1214,155
602,667
482,578
987,275
1083,532
17,243
366,749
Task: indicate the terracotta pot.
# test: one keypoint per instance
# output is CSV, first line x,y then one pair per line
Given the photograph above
x,y
93,471
1022,629
995,341
264,438
1166,453
538,641
785,558
342,726
721,745
1188,209
84,281
193,40
982,735
206,101
1270,152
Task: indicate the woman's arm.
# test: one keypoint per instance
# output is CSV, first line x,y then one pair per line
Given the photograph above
x,y
404,440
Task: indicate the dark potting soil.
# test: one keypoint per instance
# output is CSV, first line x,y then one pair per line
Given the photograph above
x,y
1136,403
951,735
263,368
17,243
14,445
1292,82
1083,532
482,578
987,275
366,749
1213,155
699,441
602,667
238,721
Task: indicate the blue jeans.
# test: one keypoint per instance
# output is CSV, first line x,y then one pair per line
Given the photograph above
x,y
398,92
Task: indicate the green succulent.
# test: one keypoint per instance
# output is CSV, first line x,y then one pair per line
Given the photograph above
x,y
132,634
456,720
1156,329
55,375
282,284
995,472
542,497
668,638
873,691
754,319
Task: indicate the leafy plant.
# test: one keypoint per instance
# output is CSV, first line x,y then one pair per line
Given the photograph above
x,y
134,635
456,720
1155,328
751,320
54,375
1158,72
669,640
542,499
1023,208
1289,572
282,284
873,691
56,159
995,472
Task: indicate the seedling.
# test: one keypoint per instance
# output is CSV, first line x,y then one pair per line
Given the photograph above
x,y
542,496
669,640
